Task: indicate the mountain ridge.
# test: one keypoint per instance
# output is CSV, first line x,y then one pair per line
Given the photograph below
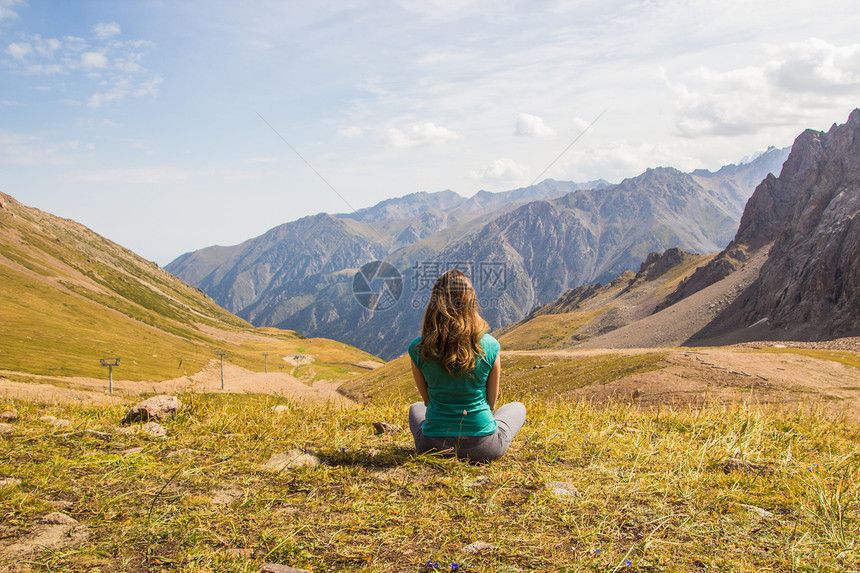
x,y
594,235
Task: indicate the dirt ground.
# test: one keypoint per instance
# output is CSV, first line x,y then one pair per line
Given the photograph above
x,y
236,380
735,374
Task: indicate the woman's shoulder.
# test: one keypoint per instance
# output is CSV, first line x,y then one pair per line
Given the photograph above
x,y
490,344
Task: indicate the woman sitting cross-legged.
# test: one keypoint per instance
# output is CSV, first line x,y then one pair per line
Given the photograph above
x,y
455,364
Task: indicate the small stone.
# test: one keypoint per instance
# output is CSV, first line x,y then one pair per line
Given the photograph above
x,y
562,489
61,423
58,518
477,547
757,510
6,428
47,418
131,451
9,482
744,466
9,415
155,408
294,458
275,568
280,408
180,452
154,429
383,428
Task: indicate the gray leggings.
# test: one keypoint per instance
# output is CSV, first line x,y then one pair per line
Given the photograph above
x,y
510,418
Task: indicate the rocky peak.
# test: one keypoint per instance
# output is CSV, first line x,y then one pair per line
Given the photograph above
x,y
811,215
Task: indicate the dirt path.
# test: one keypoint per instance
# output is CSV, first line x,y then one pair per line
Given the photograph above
x,y
236,381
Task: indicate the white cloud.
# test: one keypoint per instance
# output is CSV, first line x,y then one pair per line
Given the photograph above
x,y
93,60
350,132
149,87
115,65
796,82
532,126
106,30
6,8
500,170
19,50
421,134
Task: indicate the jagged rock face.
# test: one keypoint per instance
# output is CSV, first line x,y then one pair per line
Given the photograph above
x,y
810,282
810,217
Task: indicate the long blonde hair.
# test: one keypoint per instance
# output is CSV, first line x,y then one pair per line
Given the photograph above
x,y
452,328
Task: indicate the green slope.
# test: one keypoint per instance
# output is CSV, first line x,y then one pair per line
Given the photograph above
x,y
71,297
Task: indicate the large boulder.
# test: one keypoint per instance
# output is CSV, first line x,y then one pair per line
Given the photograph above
x,y
156,408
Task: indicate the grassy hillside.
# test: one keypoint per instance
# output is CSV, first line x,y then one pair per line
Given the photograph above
x,y
71,297
525,376
589,311
611,489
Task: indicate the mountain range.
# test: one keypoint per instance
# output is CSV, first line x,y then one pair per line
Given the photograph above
x,y
523,248
791,272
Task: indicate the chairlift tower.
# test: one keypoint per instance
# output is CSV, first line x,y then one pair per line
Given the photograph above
x,y
110,363
222,354
266,362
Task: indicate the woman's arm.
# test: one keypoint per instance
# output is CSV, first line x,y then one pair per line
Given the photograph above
x,y
493,384
420,383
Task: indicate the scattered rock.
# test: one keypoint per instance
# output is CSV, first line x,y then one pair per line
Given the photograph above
x,y
477,547
58,518
275,568
57,531
9,415
159,407
47,418
60,423
292,459
9,482
383,428
240,552
757,510
744,466
180,452
153,429
131,451
6,428
280,408
562,489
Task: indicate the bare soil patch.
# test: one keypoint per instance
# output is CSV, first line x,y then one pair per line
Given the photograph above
x,y
734,374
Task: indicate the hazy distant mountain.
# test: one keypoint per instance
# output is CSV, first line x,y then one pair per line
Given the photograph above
x,y
546,239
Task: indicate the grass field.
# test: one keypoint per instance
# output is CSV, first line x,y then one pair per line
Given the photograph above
x,y
651,491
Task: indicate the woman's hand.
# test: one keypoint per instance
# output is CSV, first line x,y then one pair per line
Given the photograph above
x,y
493,384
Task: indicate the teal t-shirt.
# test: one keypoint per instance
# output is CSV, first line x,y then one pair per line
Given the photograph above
x,y
458,404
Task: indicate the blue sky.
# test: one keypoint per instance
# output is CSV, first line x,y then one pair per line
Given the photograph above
x,y
140,119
